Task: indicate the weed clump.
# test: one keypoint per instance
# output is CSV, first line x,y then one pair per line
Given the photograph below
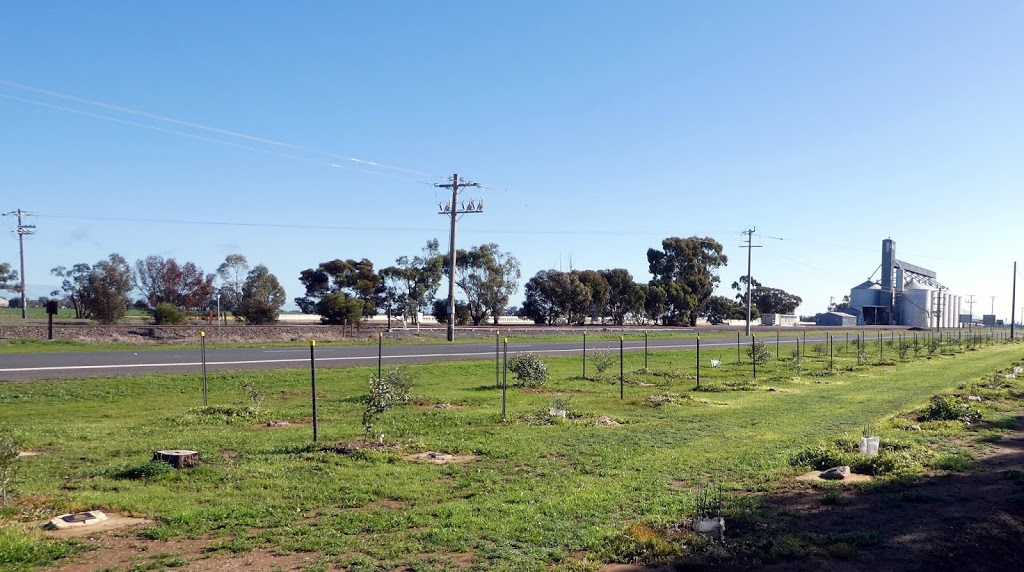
x,y
147,470
215,414
529,370
892,459
950,408
647,544
667,398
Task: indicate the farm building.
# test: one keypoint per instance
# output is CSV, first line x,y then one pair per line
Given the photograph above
x,y
836,319
779,319
906,295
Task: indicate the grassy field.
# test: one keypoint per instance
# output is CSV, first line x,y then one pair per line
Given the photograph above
x,y
542,493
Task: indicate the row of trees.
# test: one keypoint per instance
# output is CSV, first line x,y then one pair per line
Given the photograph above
x,y
103,291
684,277
346,291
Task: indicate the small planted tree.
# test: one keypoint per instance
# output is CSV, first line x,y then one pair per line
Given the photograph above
x,y
388,390
759,353
602,360
8,459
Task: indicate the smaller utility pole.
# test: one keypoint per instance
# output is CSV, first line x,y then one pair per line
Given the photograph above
x,y
1013,302
453,210
23,229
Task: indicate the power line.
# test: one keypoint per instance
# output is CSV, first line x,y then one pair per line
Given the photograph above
x,y
359,228
23,229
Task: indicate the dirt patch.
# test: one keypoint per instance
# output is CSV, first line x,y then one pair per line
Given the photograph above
x,y
126,553
634,568
30,453
439,406
971,520
382,504
279,425
353,447
850,478
437,458
113,522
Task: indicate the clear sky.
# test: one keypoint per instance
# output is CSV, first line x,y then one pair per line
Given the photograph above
x,y
597,129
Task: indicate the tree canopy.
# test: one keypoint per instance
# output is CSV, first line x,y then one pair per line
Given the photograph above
x,y
105,294
341,291
261,297
766,300
185,286
685,270
488,277
8,277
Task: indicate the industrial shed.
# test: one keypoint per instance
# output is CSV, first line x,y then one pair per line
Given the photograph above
x,y
836,319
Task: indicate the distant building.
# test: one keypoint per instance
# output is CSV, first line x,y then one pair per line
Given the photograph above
x,y
906,295
836,319
988,320
784,320
4,302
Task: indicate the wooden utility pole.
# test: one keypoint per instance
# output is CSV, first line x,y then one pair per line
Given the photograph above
x,y
23,229
453,210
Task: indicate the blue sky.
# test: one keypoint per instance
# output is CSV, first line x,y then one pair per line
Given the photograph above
x,y
597,129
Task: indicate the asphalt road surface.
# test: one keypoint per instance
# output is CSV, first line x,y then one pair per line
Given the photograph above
x,y
24,367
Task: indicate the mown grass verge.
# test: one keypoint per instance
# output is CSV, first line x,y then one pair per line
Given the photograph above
x,y
543,493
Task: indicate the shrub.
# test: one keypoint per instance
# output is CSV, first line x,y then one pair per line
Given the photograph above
x,y
950,408
529,369
8,458
165,314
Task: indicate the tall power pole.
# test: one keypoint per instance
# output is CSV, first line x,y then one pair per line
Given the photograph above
x,y
750,247
23,229
453,210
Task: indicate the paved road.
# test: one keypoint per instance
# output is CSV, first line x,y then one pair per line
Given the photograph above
x,y
22,367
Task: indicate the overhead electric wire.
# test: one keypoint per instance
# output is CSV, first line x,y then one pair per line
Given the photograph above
x,y
338,227
192,125
155,128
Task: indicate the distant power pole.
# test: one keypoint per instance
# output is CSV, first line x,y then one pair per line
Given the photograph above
x,y
23,229
750,247
970,304
453,210
1013,302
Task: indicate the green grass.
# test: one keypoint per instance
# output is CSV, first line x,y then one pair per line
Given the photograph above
x,y
541,493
